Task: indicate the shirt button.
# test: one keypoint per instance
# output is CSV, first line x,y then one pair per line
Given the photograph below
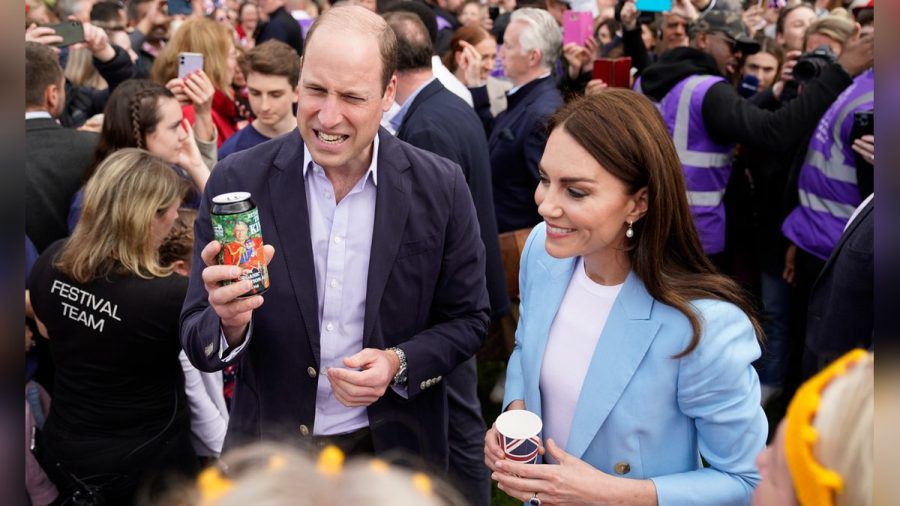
x,y
304,430
329,327
311,371
327,195
334,283
338,239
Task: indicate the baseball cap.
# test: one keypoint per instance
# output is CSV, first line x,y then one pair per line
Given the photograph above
x,y
729,23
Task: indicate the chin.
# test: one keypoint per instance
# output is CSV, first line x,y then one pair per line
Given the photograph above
x,y
557,251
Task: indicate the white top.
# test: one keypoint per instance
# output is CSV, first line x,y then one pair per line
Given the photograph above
x,y
573,337
209,413
450,81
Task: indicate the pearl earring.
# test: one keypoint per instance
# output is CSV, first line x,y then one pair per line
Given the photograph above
x,y
630,232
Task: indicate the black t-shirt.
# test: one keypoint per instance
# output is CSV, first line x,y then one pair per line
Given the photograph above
x,y
115,346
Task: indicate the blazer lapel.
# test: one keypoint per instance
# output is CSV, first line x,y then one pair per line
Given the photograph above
x,y
431,89
623,343
558,273
391,210
288,190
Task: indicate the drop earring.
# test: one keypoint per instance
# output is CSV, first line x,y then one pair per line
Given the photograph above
x,y
630,232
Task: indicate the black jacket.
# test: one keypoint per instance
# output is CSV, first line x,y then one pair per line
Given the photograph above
x,y
282,26
82,102
730,118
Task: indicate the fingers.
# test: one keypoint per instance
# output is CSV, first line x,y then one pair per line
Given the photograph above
x,y
210,252
349,393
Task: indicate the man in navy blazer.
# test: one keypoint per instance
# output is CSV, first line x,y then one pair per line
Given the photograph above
x,y
517,136
420,306
436,120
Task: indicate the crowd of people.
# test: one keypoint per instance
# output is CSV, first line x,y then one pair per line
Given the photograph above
x,y
663,219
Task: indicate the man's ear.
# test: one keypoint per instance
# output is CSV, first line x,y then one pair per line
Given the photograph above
x,y
388,98
535,57
700,41
52,98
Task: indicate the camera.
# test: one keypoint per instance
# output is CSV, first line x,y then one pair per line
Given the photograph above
x,y
810,65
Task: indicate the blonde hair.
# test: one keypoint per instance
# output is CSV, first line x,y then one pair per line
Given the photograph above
x,y
838,28
845,424
128,190
197,35
80,69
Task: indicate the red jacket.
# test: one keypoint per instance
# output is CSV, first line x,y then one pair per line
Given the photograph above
x,y
224,116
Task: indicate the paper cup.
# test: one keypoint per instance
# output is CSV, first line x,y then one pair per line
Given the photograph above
x,y
519,435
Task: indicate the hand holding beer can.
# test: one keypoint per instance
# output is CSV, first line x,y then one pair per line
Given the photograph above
x,y
235,222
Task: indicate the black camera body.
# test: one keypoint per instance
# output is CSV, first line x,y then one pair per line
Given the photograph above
x,y
811,64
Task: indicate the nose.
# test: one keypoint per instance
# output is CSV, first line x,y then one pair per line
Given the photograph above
x,y
329,115
546,202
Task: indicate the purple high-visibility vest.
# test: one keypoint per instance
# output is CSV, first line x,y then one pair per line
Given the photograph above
x,y
706,164
827,185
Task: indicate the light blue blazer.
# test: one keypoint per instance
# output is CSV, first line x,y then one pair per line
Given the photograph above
x,y
639,406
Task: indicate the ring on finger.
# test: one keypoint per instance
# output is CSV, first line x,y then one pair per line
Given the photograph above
x,y
535,500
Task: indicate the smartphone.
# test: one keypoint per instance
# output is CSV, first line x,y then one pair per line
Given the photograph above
x,y
189,63
577,27
493,12
180,7
653,5
615,72
72,32
863,124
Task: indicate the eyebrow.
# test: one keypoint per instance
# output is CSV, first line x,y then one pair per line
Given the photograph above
x,y
569,180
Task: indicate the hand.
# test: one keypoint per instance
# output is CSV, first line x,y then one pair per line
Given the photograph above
x,y
188,153
363,387
578,58
753,19
572,481
199,90
492,450
790,258
629,16
42,35
234,314
176,86
469,61
97,41
685,9
93,124
790,61
595,87
858,55
865,146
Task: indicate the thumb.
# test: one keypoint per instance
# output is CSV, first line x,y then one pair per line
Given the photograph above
x,y
556,452
359,360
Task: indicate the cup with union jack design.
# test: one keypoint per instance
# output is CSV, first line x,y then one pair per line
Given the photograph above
x,y
519,432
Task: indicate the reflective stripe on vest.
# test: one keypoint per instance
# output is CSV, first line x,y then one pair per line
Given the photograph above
x,y
827,186
682,129
706,199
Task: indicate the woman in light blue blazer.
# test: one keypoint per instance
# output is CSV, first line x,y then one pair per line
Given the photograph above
x,y
632,349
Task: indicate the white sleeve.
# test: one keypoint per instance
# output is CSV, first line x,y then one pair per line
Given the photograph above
x,y
209,416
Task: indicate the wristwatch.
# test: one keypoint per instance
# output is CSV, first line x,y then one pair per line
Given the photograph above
x,y
400,377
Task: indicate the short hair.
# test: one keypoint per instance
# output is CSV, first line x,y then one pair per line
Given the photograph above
x,y
106,14
425,13
361,20
782,16
273,58
541,32
839,28
42,69
414,47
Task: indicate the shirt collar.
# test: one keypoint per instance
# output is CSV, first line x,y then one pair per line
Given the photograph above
x,y
397,120
38,115
519,87
373,166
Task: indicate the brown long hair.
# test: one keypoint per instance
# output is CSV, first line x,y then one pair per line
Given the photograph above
x,y
625,133
127,191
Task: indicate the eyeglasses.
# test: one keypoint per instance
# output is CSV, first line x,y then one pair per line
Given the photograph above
x,y
732,43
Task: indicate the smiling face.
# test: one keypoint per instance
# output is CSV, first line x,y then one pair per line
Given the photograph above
x,y
586,208
487,48
167,137
795,25
470,15
341,97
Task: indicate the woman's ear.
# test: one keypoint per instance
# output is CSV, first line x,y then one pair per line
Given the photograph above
x,y
641,202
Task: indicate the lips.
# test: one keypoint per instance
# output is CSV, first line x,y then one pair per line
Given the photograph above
x,y
557,231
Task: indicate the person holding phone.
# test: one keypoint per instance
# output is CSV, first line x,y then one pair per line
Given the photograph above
x,y
112,63
634,351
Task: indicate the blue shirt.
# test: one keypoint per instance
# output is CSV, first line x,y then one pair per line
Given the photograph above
x,y
397,120
244,138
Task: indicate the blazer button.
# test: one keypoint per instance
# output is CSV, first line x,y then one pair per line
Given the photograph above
x,y
304,430
623,467
311,371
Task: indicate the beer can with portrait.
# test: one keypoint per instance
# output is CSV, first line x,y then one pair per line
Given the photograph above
x,y
235,222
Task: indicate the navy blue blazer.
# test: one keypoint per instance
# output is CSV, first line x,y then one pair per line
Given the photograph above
x,y
442,123
516,140
425,294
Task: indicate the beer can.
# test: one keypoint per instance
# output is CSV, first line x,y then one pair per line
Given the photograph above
x,y
235,222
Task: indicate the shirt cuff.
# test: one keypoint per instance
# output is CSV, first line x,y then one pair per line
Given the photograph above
x,y
402,391
223,344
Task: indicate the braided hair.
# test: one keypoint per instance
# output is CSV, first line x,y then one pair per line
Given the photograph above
x,y
130,114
